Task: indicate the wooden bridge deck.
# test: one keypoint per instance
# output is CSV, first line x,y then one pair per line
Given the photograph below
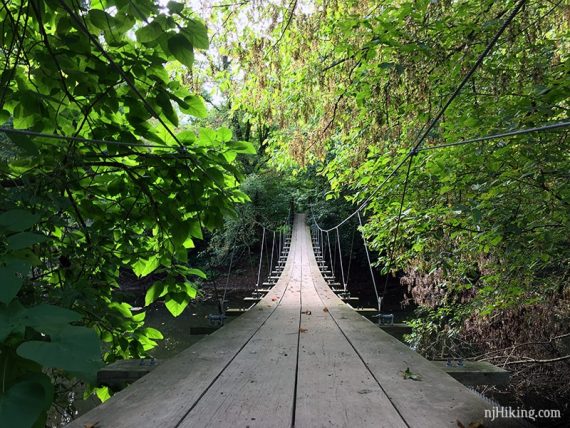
x,y
300,358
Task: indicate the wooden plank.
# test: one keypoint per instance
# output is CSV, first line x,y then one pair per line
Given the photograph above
x,y
120,373
437,399
334,387
258,388
162,398
246,373
475,373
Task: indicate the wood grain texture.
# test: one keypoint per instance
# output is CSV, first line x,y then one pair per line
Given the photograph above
x,y
334,387
300,357
163,397
437,400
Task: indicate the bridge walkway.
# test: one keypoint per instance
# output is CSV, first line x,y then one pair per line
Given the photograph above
x,y
301,357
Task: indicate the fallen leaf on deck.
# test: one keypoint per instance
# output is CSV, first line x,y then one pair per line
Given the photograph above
x,y
408,374
306,312
91,425
302,330
325,309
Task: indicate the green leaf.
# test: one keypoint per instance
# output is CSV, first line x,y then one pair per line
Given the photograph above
x,y
100,19
4,116
18,220
195,106
47,318
244,147
197,33
175,7
207,137
103,393
224,134
11,279
181,49
197,272
11,320
196,229
143,267
176,303
191,289
22,405
24,240
153,333
149,32
163,100
156,291
180,231
186,137
73,349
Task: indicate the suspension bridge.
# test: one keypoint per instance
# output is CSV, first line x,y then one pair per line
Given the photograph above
x,y
301,357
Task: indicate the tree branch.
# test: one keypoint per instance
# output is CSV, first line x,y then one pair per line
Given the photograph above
x,y
534,361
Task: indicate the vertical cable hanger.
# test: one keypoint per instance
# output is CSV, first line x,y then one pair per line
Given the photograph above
x,y
272,251
396,232
369,264
260,260
350,256
330,253
340,260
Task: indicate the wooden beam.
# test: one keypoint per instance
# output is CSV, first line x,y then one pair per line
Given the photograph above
x,y
475,372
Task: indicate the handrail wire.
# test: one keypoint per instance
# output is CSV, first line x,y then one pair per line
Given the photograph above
x,y
29,133
548,127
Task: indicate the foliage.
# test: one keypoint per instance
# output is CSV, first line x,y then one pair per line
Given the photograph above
x,y
270,195
492,216
79,211
349,86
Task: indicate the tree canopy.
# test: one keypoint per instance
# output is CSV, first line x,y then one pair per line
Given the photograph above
x,y
131,130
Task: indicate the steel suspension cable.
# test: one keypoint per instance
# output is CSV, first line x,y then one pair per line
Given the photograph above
x,y
330,253
470,73
260,261
340,259
396,232
369,263
550,127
